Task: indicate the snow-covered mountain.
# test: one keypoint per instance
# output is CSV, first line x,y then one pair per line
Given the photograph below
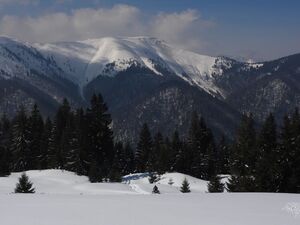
x,y
84,61
145,79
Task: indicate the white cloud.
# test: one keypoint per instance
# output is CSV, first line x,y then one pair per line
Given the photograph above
x,y
182,28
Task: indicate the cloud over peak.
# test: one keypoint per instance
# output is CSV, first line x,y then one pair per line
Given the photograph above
x,y
181,28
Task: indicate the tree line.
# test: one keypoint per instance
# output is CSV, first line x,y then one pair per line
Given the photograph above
x,y
82,141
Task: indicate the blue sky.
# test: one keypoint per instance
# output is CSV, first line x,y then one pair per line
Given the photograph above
x,y
259,29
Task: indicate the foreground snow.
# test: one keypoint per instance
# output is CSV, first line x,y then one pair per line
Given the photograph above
x,y
63,198
173,209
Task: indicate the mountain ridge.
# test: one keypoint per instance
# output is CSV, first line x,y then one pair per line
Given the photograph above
x,y
134,73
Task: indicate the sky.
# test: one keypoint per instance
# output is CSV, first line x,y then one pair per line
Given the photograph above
x,y
243,29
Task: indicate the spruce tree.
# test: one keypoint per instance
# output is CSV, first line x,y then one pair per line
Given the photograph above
x,y
153,162
4,146
178,157
144,147
100,138
72,150
24,185
19,143
202,147
243,157
164,157
45,142
286,153
118,164
223,157
4,162
51,154
294,178
35,131
129,160
185,186
266,171
215,184
155,190
152,178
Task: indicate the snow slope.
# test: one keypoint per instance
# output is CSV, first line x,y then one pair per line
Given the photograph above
x,y
63,198
64,182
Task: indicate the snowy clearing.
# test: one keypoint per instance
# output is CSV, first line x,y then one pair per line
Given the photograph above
x,y
63,198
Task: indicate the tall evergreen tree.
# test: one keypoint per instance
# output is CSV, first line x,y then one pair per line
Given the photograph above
x,y
144,147
35,131
178,157
71,149
118,164
267,172
215,184
129,160
51,154
62,118
4,143
286,152
45,143
202,148
223,157
100,137
243,157
20,143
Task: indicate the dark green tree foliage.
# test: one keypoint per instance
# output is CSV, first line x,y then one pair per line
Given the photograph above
x,y
100,138
155,190
62,118
82,141
267,171
71,149
223,157
153,178
45,144
178,150
144,147
35,132
129,160
119,162
215,184
290,154
24,185
286,161
185,186
20,143
4,143
51,155
243,157
81,126
154,154
165,157
202,149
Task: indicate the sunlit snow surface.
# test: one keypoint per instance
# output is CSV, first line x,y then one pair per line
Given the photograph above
x,y
63,198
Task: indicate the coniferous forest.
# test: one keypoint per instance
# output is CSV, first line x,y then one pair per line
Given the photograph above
x,y
264,158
